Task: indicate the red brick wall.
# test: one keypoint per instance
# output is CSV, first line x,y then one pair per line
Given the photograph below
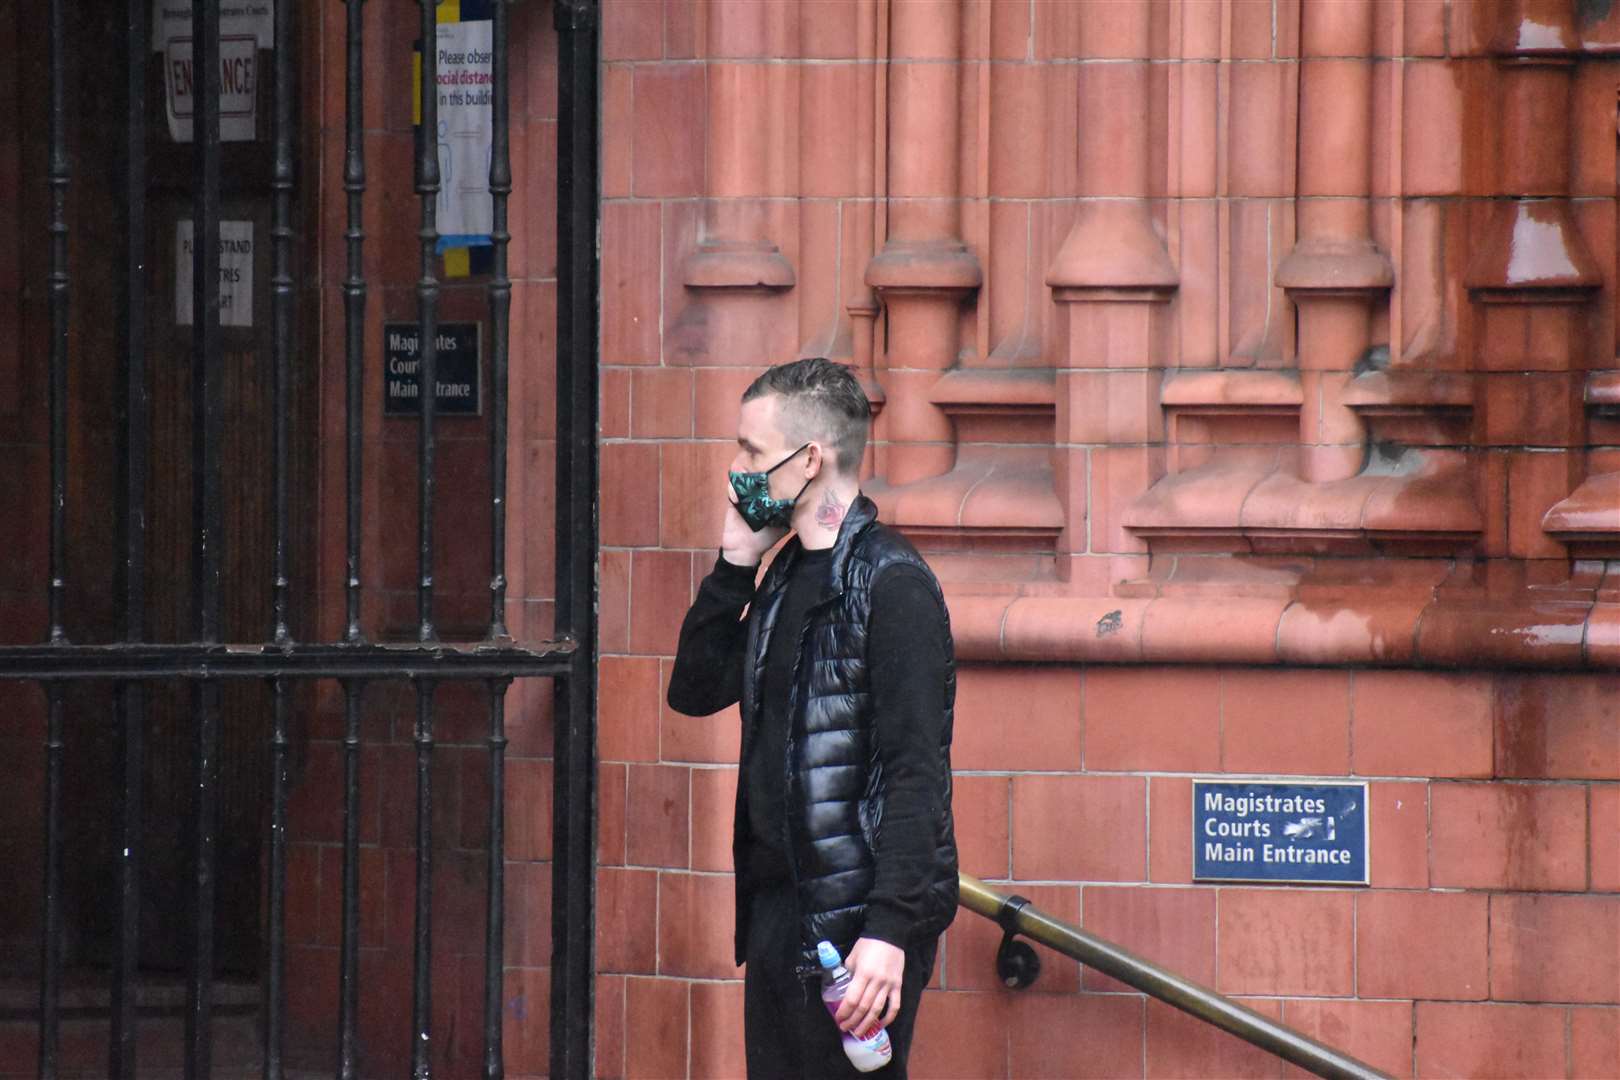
x,y
739,138
1486,940
1492,916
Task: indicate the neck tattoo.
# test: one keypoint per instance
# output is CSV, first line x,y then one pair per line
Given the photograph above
x,y
830,512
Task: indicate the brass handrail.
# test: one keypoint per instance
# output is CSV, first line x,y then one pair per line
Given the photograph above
x,y
1168,987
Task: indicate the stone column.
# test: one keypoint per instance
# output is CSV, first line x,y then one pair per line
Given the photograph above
x,y
1531,279
736,262
1335,274
1112,279
924,271
1018,168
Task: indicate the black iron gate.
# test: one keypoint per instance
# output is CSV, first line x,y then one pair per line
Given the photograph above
x,y
133,666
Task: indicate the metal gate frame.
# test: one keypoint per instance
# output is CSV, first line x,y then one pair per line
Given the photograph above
x,y
279,660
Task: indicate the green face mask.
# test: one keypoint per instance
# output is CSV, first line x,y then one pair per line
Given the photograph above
x,y
754,502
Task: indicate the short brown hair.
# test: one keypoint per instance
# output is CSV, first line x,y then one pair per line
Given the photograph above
x,y
821,400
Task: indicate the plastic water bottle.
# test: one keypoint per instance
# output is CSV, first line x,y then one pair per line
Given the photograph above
x,y
868,1052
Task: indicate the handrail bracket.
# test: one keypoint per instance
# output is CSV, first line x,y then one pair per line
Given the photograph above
x,y
1017,963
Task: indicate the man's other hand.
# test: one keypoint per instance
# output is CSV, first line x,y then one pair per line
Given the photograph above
x,y
740,545
873,998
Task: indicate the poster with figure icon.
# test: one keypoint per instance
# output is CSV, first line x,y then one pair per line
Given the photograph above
x,y
463,54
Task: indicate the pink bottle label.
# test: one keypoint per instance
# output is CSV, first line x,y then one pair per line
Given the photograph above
x,y
863,1036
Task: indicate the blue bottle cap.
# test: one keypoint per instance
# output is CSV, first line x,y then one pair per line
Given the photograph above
x,y
827,954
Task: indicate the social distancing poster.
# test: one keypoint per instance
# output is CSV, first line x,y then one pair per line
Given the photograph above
x,y
464,75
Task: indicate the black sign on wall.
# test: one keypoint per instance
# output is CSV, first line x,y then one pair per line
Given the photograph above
x,y
456,372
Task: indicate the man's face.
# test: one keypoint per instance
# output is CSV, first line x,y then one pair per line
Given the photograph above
x,y
762,446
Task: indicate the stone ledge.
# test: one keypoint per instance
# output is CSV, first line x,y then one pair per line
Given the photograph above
x,y
1399,392
738,266
1530,251
1603,393
1413,408
1332,266
1003,501
1231,390
1416,502
1394,629
1589,518
1114,244
943,265
1009,391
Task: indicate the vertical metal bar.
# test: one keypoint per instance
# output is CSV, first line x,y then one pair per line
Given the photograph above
x,y
427,297
575,739
205,822
427,188
58,177
205,336
281,346
50,977
131,567
354,299
349,972
206,523
494,933
133,453
281,301
422,981
500,310
275,959
126,959
281,314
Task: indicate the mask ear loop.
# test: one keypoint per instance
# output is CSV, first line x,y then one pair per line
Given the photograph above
x,y
789,458
785,460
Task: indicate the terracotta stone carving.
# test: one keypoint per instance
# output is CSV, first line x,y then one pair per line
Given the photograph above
x,y
923,271
1335,273
1158,302
736,263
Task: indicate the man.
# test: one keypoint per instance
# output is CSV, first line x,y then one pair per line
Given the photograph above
x,y
843,667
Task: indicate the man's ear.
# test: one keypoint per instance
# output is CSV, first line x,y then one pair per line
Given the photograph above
x,y
815,461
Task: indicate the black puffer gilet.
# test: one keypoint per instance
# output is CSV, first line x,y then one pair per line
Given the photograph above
x,y
834,777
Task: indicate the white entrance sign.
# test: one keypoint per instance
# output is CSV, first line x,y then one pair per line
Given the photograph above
x,y
245,27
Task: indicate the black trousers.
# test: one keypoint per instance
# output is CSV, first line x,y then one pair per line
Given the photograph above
x,y
786,1027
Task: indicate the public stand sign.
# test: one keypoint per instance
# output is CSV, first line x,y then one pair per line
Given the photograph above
x,y
1311,833
235,272
455,369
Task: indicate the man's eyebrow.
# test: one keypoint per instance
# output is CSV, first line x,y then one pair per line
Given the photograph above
x,y
746,445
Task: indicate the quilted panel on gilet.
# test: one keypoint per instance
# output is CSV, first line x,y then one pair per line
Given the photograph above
x,y
835,780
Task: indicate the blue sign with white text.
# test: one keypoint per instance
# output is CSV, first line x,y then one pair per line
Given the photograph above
x,y
1260,830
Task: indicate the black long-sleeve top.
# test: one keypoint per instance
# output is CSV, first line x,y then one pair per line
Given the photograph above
x,y
906,661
